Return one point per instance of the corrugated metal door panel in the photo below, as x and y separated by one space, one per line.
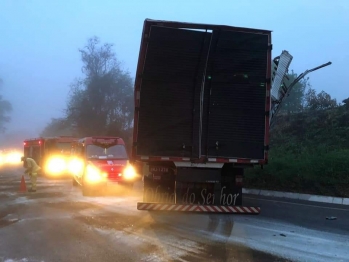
169 115
236 106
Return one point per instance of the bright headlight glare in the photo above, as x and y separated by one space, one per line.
93 174
75 166
12 158
129 172
56 165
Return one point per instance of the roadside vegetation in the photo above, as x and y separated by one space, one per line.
309 147
101 101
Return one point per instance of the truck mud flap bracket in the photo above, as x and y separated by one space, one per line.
199 208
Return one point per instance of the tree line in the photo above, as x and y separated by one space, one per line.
304 98
100 102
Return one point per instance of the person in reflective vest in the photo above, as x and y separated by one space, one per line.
32 169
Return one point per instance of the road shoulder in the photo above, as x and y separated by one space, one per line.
298 196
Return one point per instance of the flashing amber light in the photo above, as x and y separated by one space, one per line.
129 172
75 166
93 174
56 165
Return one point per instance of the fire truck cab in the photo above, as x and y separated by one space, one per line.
50 153
98 162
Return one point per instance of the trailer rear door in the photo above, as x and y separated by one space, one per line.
202 92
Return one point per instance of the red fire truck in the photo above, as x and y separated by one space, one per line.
51 153
98 162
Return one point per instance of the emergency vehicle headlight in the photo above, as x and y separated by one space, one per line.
93 174
13 158
129 172
56 165
75 166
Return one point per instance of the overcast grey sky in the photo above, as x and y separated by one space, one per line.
39 43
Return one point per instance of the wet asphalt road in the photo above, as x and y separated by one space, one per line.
58 224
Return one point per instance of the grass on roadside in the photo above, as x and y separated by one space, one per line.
309 154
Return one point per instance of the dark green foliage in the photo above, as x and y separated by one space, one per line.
309 153
101 102
346 103
57 127
319 101
309 145
303 97
295 102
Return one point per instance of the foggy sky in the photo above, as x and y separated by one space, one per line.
39 44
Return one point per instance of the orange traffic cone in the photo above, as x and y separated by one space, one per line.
23 187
